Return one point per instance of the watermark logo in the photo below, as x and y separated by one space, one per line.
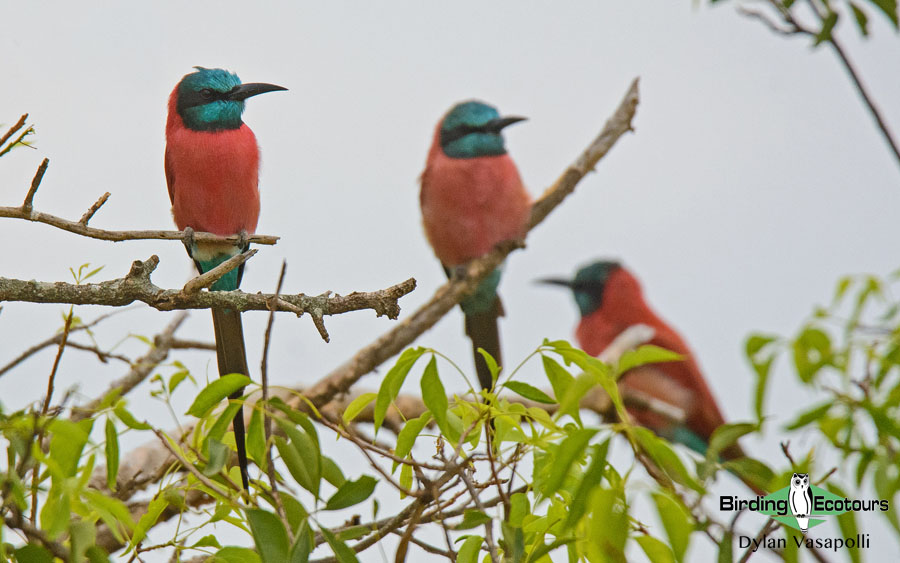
802 505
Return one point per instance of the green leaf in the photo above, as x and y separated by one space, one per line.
608 527
295 463
343 553
406 439
128 419
33 553
589 481
646 354
357 405
148 519
571 400
303 546
656 551
207 541
751 470
812 351
177 378
96 554
82 535
331 471
529 392
434 396
67 440
223 421
406 478
726 435
471 519
269 535
392 383
847 523
491 364
665 457
569 452
862 20
889 7
519 508
762 365
560 379
256 438
112 454
827 25
351 493
297 516
306 445
215 392
55 514
726 548
111 510
810 416
233 554
468 553
218 456
676 521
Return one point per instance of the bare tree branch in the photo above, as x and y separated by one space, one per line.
136 286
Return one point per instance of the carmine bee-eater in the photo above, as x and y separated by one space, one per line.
472 198
212 169
610 300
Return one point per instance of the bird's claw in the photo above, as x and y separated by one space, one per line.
459 271
187 238
243 240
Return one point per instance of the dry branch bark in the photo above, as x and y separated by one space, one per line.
136 286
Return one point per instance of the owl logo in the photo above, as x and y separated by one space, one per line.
800 498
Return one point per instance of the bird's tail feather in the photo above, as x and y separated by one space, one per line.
232 358
481 328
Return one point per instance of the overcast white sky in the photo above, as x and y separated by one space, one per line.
754 179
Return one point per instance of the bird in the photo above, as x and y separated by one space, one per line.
212 173
472 198
610 300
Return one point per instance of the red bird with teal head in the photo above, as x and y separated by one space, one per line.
610 300
472 198
212 170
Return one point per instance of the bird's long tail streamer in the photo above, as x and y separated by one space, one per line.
232 358
482 329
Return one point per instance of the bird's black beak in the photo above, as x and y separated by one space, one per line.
497 125
556 281
244 91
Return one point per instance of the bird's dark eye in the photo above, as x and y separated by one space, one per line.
206 93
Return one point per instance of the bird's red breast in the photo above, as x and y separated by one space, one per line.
213 176
678 383
471 204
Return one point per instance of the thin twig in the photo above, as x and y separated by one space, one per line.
93 209
12 130
55 340
141 369
206 279
35 184
117 236
267 420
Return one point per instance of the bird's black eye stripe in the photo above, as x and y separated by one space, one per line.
193 98
459 132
